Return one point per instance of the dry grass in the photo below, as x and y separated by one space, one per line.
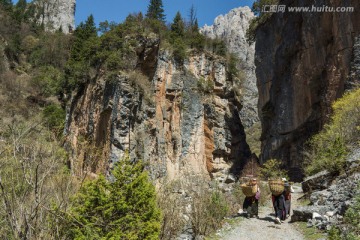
143 83
253 138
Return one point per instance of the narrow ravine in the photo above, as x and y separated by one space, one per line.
264 228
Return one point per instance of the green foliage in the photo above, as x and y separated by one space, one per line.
172 206
156 10
232 69
48 81
6 5
309 233
124 208
328 154
352 222
205 86
208 211
42 50
329 148
54 117
32 180
218 206
217 46
334 233
352 218
83 49
261 19
179 50
178 26
271 169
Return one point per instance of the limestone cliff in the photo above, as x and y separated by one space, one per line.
180 118
55 14
232 28
302 62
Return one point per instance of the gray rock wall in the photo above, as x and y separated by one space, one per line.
232 28
302 64
174 125
57 13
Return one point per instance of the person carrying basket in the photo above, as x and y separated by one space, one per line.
278 199
252 196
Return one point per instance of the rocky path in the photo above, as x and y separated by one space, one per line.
264 228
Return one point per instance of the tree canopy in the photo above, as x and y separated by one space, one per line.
156 10
124 208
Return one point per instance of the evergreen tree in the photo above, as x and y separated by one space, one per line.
178 26
6 5
20 10
82 33
156 10
124 208
192 16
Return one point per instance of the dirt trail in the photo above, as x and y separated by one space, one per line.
264 228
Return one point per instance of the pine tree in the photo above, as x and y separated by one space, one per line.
124 208
192 16
156 10
178 26
20 10
6 5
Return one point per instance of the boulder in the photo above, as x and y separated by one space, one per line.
304 213
319 181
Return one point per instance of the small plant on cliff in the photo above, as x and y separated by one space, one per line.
205 85
124 208
272 169
263 16
328 149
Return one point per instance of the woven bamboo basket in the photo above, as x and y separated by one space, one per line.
249 189
276 187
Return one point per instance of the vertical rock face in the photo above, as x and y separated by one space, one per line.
302 65
174 125
57 13
232 29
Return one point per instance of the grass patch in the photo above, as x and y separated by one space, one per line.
229 224
309 233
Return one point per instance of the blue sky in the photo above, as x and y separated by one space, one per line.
117 10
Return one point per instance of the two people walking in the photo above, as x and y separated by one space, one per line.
281 202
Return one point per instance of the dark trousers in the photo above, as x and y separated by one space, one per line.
279 206
251 206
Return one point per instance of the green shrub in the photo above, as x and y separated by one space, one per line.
272 169
329 148
123 208
172 208
205 86
208 211
179 50
232 69
48 81
352 218
54 117
352 222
